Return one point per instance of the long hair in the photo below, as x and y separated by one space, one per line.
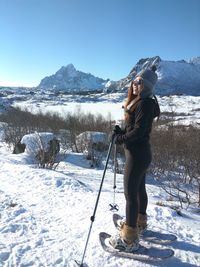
131 96
129 99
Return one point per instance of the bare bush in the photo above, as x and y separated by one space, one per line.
48 159
176 149
18 123
93 145
43 147
176 162
79 122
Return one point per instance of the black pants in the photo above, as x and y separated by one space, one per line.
136 165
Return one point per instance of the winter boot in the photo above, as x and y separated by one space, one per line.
127 240
142 223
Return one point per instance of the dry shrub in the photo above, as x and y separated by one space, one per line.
176 149
20 123
176 161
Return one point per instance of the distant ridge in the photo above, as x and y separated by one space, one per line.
174 77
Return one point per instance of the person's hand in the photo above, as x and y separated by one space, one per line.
117 133
117 130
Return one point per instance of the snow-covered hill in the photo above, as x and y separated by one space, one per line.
71 80
174 77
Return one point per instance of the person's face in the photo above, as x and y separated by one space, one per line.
138 85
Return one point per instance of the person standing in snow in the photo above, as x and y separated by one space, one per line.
140 109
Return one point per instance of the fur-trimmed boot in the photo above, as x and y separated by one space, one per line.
142 223
127 240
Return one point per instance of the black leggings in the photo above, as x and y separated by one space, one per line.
137 163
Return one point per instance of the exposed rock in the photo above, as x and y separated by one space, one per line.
19 148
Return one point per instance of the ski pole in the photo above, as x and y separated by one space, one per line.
97 201
114 206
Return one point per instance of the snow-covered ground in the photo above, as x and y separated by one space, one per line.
45 215
185 108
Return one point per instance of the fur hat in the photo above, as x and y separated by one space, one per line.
150 78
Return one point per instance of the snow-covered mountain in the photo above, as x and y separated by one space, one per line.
174 77
69 79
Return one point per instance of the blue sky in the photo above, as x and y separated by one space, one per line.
103 37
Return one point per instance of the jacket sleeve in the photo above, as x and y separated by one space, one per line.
143 118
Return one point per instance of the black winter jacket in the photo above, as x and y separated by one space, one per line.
138 126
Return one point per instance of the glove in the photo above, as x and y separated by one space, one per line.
117 130
117 133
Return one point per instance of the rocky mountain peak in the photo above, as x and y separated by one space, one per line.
67 71
174 77
195 60
144 63
68 79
